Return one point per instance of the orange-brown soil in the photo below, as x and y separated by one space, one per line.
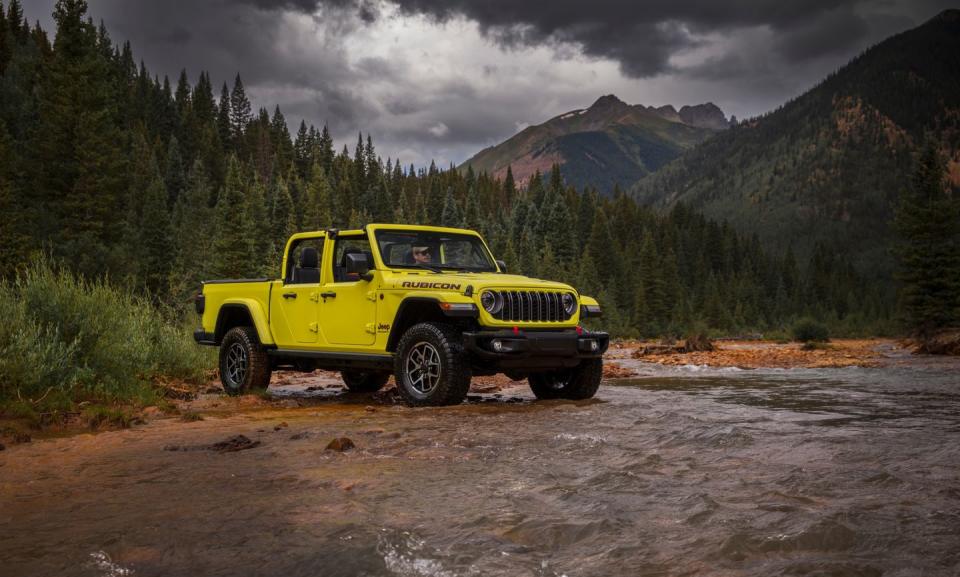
761 354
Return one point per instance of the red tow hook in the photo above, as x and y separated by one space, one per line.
579 330
516 330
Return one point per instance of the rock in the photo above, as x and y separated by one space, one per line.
485 387
152 411
370 409
299 436
340 444
233 444
282 425
616 371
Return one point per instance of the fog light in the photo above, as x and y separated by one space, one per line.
593 345
497 345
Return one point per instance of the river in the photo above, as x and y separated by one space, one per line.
682 471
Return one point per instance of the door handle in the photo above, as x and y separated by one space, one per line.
328 295
289 295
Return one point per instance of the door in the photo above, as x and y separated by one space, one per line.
348 306
296 297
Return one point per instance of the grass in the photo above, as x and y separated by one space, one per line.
68 342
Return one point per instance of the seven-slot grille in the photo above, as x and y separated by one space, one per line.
531 306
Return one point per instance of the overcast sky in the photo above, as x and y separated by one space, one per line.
441 79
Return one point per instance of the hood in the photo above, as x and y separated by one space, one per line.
458 282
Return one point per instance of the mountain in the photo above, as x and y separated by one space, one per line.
611 142
829 165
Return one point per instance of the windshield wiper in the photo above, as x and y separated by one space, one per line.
426 267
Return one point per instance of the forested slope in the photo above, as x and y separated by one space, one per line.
829 166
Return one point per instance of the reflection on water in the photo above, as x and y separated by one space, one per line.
685 471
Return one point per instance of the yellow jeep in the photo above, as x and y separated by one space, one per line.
427 304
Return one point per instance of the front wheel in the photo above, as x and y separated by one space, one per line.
364 381
430 367
580 382
244 364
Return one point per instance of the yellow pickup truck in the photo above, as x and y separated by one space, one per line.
427 304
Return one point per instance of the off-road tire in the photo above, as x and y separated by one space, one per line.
580 382
364 381
241 346
453 379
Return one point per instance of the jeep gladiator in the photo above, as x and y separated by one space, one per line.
427 304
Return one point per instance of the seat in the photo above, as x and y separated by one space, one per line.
307 270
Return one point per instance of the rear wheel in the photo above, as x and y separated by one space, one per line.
430 367
364 381
580 382
244 364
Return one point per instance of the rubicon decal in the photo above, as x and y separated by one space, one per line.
431 285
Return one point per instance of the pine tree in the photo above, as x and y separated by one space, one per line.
928 222
240 113
13 234
301 150
509 185
451 215
224 116
283 222
156 246
325 149
232 245
192 219
174 176
316 210
77 164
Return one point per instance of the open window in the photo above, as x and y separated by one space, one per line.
303 261
343 248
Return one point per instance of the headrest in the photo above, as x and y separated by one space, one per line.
308 258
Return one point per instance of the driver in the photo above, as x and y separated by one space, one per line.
421 254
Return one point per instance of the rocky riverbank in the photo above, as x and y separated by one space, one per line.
762 354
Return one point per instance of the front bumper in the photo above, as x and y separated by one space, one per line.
535 349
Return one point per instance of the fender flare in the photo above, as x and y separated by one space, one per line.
254 309
396 330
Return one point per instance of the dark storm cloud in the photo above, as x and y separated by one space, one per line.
640 36
747 55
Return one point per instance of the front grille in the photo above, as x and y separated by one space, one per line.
531 306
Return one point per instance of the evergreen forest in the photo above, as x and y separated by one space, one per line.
155 184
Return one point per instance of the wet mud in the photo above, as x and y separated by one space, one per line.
679 471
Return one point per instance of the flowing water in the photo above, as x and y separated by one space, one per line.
688 471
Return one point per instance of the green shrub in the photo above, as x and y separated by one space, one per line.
807 330
64 337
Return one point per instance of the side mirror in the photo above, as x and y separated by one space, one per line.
502 265
357 264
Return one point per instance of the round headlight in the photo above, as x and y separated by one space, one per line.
491 301
569 304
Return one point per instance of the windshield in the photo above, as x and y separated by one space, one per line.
433 250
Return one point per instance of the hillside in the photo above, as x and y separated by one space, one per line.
829 165
608 143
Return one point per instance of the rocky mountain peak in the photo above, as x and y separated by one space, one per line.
607 101
706 115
